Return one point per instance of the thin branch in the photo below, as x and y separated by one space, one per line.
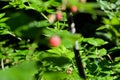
2 64
110 57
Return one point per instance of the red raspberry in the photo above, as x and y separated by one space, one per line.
74 9
59 15
55 41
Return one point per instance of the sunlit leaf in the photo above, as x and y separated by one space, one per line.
95 41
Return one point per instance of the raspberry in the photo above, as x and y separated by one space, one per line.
83 1
74 9
7 61
55 41
51 18
69 71
59 15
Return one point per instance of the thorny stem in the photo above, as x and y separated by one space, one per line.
76 47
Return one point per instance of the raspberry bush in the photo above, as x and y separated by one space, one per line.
59 39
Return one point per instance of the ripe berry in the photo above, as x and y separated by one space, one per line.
59 15
55 41
74 9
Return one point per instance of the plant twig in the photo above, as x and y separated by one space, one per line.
2 64
110 57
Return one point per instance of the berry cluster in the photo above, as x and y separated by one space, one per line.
55 41
59 16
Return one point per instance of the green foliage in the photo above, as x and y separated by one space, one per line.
16 73
95 41
111 25
27 25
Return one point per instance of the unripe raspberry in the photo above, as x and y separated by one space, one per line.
55 41
74 9
7 61
69 71
59 15
51 18
83 1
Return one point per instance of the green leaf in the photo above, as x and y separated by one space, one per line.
60 76
106 21
43 23
104 4
36 5
102 51
95 41
107 35
103 27
115 31
2 15
114 49
115 21
57 60
23 71
61 51
3 19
